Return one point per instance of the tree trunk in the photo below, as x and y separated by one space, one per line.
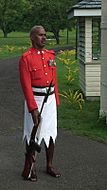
57 39
5 34
56 34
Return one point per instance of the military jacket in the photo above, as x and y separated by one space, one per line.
37 69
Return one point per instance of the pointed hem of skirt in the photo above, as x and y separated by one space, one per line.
47 140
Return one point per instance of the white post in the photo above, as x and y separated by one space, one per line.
103 98
88 39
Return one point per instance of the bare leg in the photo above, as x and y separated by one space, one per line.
49 158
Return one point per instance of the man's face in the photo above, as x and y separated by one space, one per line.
39 38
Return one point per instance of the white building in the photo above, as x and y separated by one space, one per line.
88 15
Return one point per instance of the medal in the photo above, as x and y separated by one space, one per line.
51 63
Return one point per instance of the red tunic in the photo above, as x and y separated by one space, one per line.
37 68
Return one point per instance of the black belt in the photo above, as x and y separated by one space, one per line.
42 86
42 93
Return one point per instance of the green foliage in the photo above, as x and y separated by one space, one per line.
11 14
21 15
51 14
74 97
67 58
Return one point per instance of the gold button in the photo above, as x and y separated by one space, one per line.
44 65
46 73
38 52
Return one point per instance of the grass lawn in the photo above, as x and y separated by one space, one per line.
18 42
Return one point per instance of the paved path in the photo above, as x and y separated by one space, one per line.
82 162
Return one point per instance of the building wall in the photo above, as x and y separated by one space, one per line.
81 40
82 77
93 72
103 99
90 79
90 70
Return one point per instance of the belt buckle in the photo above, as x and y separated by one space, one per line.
47 89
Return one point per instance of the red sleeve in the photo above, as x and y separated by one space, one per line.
56 83
56 90
26 84
56 95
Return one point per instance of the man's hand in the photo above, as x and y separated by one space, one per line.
35 116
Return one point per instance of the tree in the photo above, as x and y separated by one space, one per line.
51 14
11 14
26 13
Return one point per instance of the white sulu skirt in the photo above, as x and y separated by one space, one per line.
48 125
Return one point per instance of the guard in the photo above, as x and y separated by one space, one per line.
37 69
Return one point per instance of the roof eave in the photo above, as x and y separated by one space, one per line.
84 12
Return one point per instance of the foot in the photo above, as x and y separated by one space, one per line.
51 171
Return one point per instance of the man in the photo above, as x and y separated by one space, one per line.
37 70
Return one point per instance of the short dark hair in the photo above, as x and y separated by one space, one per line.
34 29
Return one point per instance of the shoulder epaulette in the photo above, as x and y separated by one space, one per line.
50 51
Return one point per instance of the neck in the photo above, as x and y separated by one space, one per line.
38 48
